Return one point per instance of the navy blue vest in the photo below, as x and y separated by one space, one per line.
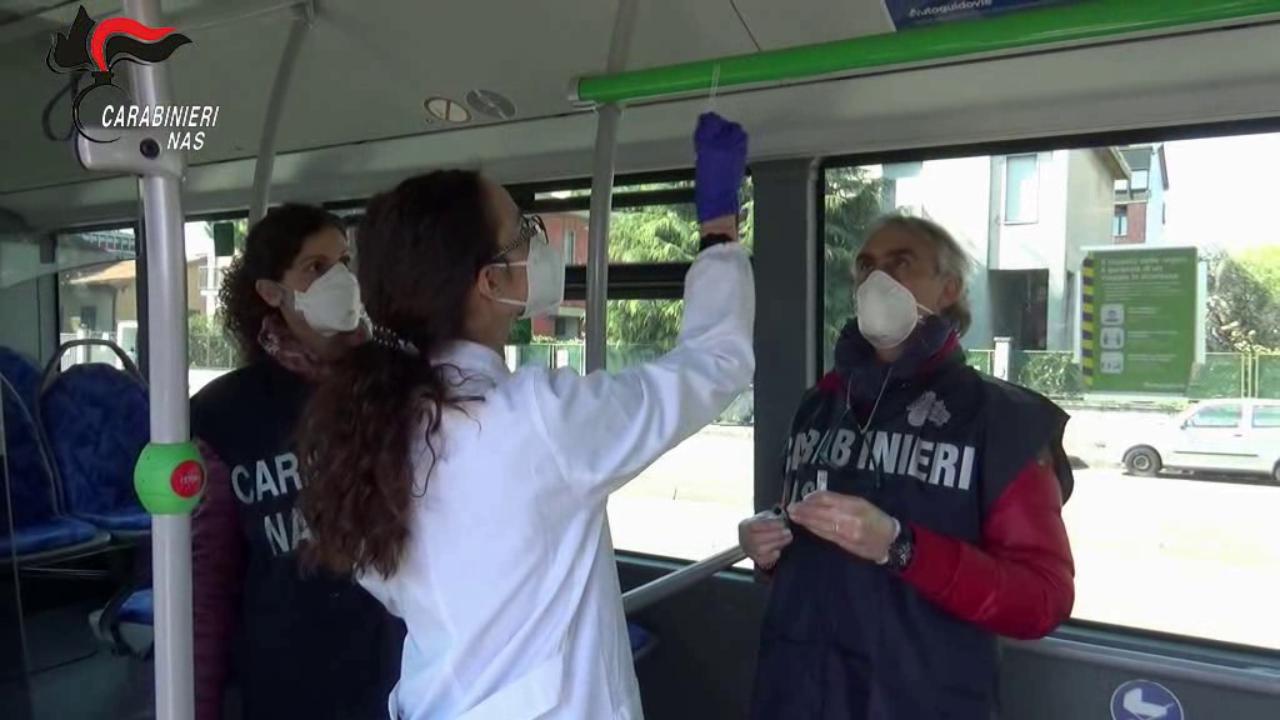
310 645
845 639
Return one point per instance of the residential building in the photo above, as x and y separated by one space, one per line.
1025 220
1140 211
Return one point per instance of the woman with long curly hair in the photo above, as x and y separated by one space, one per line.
470 499
296 644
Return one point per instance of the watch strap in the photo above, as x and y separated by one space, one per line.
902 549
712 239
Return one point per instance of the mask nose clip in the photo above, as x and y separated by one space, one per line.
887 311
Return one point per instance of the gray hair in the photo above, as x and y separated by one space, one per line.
953 261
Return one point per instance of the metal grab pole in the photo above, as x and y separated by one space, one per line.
166 296
607 120
275 109
598 236
633 601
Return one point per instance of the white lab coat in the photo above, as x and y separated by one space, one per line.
508 586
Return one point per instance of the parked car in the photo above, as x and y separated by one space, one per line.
1222 436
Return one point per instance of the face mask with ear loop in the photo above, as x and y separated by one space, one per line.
544 269
332 303
887 311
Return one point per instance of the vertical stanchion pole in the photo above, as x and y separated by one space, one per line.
275 110
167 369
598 230
607 119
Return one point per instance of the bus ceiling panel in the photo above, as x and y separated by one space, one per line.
22 20
775 25
368 71
1192 79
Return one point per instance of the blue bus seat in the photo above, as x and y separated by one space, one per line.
126 624
39 531
642 641
95 418
139 608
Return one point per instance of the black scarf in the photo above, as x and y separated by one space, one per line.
858 365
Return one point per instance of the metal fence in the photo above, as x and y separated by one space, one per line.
211 351
980 360
1222 375
1266 374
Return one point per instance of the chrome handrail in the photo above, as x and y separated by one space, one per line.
664 587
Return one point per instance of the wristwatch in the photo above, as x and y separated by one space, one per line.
713 239
901 549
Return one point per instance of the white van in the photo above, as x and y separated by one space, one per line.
1226 436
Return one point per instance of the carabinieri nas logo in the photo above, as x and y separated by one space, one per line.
96 47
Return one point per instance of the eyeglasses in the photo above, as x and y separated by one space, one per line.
531 228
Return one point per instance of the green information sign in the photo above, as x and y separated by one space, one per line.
1139 320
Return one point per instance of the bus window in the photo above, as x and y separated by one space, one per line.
98 288
706 481
210 351
688 503
1126 325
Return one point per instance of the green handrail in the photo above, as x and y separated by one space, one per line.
1088 20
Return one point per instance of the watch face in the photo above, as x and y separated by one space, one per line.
900 553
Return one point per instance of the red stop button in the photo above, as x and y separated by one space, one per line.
187 479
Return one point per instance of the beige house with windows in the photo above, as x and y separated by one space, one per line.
99 299
1025 220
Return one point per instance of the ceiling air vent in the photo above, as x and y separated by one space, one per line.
491 104
446 110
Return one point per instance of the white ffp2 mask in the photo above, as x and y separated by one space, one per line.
545 271
887 311
332 304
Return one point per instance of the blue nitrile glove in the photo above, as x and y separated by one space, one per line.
722 164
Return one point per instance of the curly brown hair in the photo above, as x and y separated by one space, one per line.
421 247
273 243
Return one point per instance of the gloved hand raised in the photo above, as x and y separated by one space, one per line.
721 146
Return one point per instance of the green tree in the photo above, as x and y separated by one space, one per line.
521 333
852 202
658 234
1244 301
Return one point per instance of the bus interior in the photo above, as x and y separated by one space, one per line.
1050 140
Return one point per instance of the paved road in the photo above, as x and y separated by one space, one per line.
1188 556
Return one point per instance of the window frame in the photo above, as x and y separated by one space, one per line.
1146 183
1006 187
570 245
1120 221
641 281
54 324
1253 416
1209 650
1209 409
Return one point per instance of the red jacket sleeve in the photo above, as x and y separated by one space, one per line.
1021 581
217 569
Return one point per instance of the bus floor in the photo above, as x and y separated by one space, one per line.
72 676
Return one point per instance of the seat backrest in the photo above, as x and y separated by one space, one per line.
96 422
31 482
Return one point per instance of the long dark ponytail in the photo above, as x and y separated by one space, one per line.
419 250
